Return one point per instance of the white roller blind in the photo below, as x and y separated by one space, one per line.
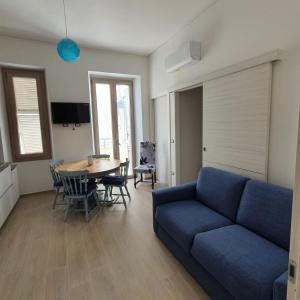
236 115
28 116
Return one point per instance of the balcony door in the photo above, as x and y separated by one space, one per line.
113 119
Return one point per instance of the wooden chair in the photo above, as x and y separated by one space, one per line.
98 181
57 183
117 181
78 190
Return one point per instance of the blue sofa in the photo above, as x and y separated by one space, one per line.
231 233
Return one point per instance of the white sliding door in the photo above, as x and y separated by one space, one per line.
162 138
174 139
236 121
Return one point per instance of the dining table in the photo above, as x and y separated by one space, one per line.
99 168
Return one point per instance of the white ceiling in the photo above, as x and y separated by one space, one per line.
138 26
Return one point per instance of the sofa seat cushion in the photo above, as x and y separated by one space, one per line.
183 219
246 264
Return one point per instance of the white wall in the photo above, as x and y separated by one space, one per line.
232 31
68 82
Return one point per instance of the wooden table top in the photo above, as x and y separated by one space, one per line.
100 167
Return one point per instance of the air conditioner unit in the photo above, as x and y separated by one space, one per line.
187 53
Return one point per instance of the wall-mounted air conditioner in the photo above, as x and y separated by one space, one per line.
187 53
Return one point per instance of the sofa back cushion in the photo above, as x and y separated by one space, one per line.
220 190
267 209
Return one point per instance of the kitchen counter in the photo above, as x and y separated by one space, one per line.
4 166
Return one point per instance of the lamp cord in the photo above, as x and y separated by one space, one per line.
66 27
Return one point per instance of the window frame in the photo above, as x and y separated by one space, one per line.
39 75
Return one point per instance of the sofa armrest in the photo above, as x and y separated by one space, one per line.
177 193
280 287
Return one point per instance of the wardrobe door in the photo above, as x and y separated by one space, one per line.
162 138
236 121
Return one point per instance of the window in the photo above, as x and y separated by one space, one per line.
27 111
113 116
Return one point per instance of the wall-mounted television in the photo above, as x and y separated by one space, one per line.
70 113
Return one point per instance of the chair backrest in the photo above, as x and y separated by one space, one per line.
123 171
147 153
55 176
107 156
75 183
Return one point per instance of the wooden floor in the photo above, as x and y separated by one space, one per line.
114 256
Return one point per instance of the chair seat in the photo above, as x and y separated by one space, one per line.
182 220
58 184
244 263
113 180
150 168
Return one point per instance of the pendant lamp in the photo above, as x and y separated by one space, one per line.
67 49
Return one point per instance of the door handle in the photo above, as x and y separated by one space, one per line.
204 149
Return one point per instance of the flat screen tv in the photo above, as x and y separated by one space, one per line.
67 113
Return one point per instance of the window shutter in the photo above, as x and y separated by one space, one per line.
28 116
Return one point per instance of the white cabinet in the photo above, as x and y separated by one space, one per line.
9 191
2 209
5 180
15 187
5 207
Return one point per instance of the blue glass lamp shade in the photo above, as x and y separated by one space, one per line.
68 50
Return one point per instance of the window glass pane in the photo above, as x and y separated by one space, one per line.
28 115
124 123
104 118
